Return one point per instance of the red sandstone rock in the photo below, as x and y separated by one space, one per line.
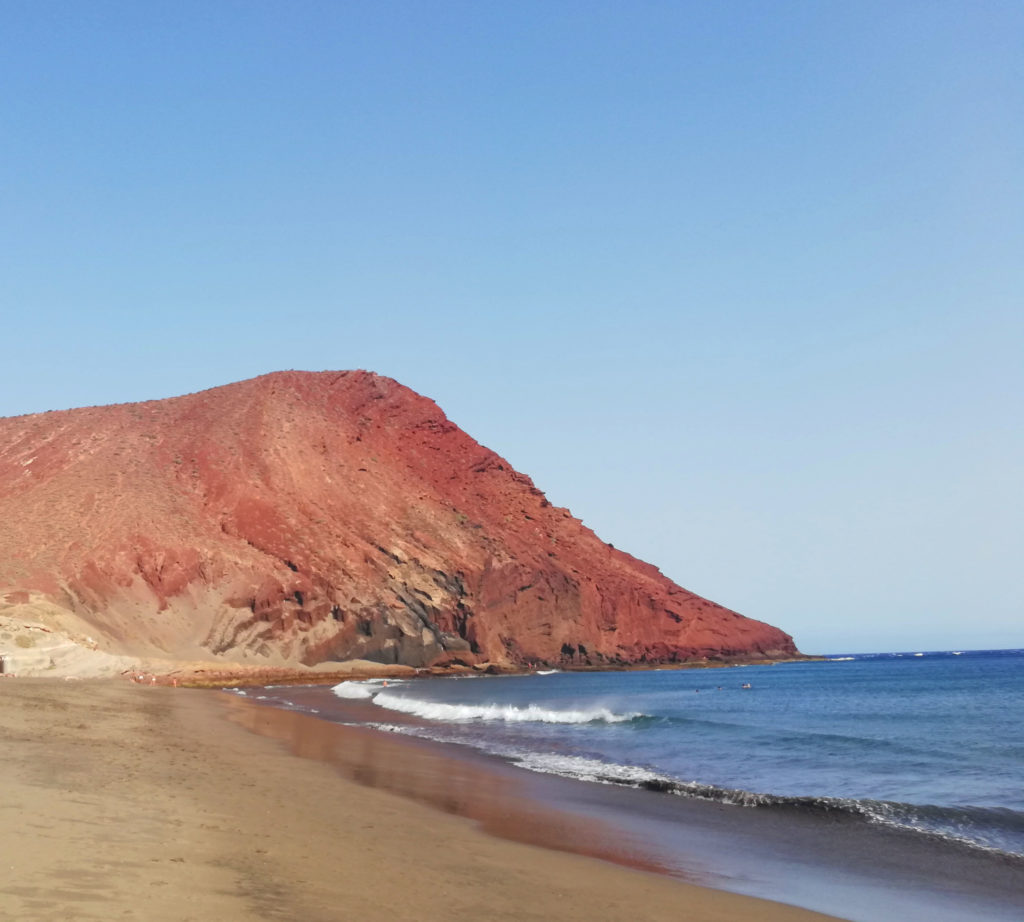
304 518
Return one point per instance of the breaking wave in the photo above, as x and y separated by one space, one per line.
993 830
363 688
354 690
986 828
532 713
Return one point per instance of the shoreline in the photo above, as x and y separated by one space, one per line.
157 803
803 857
245 676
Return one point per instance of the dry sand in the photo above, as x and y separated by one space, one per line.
121 802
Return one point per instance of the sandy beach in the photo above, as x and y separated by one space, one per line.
128 802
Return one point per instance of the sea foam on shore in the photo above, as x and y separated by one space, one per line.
849 744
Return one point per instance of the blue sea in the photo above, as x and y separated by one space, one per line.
927 745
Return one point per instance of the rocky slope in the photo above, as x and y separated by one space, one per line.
303 518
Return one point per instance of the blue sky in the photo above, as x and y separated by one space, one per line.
739 283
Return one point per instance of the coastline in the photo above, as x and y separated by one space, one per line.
132 802
816 860
232 675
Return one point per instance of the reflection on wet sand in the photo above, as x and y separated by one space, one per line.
488 794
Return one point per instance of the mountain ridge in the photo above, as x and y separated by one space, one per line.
301 518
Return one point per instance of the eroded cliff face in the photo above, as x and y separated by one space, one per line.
310 517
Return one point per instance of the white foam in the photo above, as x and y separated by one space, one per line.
436 710
548 671
354 690
585 769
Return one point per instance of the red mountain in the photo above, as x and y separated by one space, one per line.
305 518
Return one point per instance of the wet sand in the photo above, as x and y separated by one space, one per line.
875 873
127 802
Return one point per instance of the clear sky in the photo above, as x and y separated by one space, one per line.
740 283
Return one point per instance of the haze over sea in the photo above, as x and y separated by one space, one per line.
915 759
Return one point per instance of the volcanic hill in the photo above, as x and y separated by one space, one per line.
303 518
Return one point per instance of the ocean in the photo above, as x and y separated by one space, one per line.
913 761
